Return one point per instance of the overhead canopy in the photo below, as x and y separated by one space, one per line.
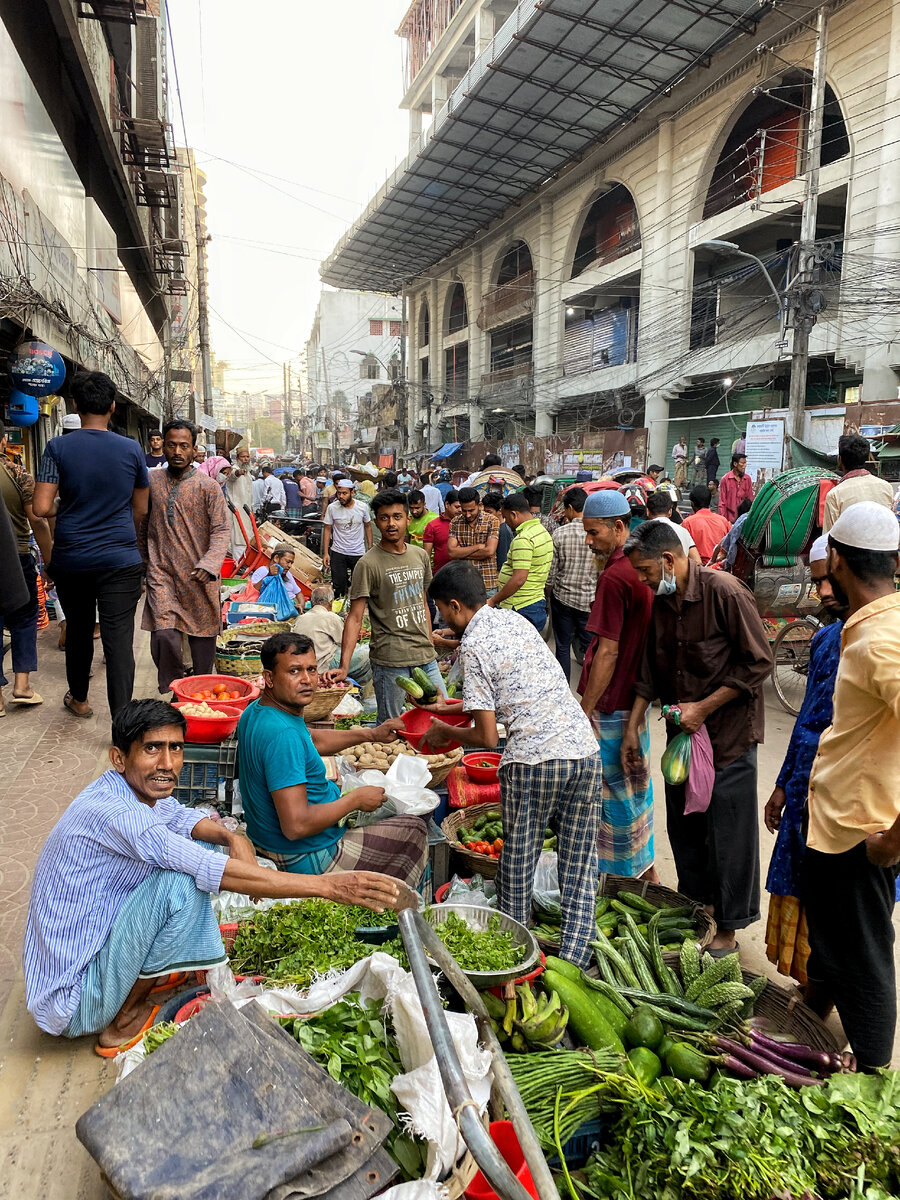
555 79
448 449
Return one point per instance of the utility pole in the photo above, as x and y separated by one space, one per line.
806 301
203 315
286 414
328 407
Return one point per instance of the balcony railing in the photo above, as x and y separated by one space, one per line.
508 302
506 374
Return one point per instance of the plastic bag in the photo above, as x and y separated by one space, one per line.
702 774
272 591
405 792
477 890
348 707
676 760
417 1189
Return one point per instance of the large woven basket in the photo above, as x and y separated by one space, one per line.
784 1012
236 655
438 773
611 885
481 864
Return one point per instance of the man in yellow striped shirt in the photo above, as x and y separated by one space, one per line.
524 575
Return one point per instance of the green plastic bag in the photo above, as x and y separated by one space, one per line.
676 760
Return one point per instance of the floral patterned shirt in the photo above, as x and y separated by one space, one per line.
509 670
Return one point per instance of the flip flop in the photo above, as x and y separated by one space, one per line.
67 705
113 1051
174 980
724 951
34 698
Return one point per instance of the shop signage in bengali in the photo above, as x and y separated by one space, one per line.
36 369
206 422
322 439
765 447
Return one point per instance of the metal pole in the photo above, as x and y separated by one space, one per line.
476 1137
203 315
804 321
328 405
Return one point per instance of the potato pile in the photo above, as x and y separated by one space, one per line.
378 756
202 710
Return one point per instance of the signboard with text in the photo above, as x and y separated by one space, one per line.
765 447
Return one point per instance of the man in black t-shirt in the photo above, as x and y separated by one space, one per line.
155 457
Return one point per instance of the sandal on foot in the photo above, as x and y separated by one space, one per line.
67 704
34 698
113 1051
724 951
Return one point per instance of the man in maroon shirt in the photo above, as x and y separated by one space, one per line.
436 532
619 619
734 487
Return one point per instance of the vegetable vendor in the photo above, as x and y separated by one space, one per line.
280 564
120 897
787 935
295 815
550 769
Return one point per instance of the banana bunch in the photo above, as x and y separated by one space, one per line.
527 1021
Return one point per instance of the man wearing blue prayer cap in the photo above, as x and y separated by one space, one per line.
619 619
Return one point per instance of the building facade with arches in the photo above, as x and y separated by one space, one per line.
603 296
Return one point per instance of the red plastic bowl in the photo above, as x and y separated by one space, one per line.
416 721
185 690
480 774
211 729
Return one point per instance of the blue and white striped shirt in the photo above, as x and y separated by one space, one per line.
105 845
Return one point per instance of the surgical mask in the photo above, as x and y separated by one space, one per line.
666 586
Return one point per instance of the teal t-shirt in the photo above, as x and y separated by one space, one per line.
275 751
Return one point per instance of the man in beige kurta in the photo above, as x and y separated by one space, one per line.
239 490
184 539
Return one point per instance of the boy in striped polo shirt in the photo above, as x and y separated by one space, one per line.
527 567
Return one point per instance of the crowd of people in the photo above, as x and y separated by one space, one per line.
642 599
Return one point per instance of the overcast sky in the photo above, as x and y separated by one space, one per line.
292 108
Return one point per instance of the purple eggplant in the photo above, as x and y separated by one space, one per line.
819 1060
792 1075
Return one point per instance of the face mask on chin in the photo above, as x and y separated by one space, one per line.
666 585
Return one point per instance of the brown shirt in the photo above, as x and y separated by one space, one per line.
17 490
714 640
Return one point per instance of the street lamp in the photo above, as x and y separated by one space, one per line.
721 247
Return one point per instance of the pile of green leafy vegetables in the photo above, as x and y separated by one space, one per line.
491 949
352 1041
748 1140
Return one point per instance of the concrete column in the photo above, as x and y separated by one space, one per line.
484 29
440 90
435 357
656 418
413 372
879 381
546 325
477 344
656 297
415 127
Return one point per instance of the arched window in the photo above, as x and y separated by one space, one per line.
610 230
765 146
516 262
457 309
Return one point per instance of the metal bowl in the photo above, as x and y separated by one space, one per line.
477 917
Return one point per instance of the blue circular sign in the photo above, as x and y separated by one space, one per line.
37 369
23 410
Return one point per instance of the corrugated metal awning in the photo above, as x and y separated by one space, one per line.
559 75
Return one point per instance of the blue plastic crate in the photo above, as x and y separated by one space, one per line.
582 1144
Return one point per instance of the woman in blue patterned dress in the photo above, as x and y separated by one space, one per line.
787 943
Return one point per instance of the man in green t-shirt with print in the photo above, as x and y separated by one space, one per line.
391 579
524 575
419 517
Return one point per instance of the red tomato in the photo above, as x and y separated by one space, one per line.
235 696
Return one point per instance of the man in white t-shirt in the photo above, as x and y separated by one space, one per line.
346 535
273 489
659 508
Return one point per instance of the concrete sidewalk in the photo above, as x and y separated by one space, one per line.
46 757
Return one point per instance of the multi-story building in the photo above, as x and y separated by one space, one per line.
355 343
87 186
557 229
188 215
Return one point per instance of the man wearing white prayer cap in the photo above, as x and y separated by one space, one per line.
853 842
787 943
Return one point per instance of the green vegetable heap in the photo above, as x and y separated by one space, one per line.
352 1042
488 949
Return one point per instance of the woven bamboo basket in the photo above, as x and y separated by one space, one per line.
481 864
438 773
784 1012
245 662
611 885
324 702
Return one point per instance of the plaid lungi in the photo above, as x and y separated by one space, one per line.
626 822
396 846
564 793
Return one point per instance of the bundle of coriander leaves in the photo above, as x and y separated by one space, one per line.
352 1041
749 1140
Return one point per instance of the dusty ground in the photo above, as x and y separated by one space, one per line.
46 758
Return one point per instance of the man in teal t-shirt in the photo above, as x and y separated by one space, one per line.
295 815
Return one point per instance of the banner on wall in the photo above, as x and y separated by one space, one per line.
765 447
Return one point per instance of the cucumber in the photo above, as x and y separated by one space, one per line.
422 678
586 1022
409 686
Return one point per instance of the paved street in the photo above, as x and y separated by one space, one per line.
47 757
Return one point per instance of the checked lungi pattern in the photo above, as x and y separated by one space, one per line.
566 794
396 846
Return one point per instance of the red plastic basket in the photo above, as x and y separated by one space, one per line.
185 690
